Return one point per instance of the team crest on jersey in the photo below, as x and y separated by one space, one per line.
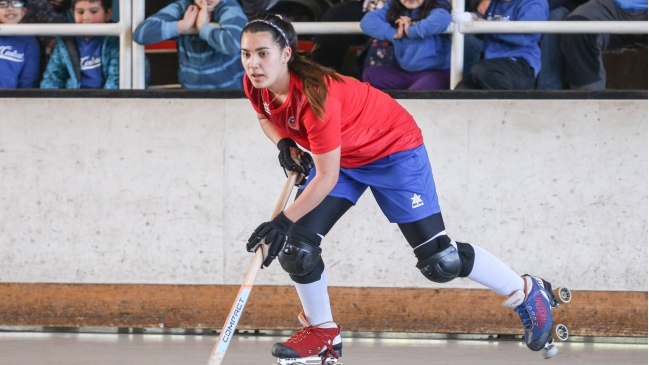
292 123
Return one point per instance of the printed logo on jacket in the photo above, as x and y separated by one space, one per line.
89 62
10 54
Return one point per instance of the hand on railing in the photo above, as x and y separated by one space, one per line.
462 16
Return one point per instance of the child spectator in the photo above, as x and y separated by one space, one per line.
415 29
511 61
85 62
19 55
207 60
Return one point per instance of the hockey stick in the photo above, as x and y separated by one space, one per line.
216 358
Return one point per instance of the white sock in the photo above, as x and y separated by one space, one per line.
494 274
315 301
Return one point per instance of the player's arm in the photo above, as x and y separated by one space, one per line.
326 177
269 129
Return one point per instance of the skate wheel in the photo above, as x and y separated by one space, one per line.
562 332
562 295
550 351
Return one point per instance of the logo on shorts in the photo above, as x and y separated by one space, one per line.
416 201
292 124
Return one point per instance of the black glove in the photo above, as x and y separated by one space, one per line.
276 234
288 163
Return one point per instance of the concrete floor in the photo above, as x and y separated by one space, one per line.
59 348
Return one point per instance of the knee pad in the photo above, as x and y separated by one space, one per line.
301 253
441 262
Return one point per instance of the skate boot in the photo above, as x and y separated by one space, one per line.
317 345
534 307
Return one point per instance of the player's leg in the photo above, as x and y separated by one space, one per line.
407 196
441 260
320 337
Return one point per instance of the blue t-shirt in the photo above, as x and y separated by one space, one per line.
19 62
90 62
505 45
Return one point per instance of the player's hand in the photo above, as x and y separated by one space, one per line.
291 158
275 234
188 20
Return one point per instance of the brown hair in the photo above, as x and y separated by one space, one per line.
315 77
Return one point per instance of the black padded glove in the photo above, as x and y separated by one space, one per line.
288 163
276 234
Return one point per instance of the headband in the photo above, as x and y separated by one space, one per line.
274 26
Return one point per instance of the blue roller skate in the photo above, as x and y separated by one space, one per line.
534 307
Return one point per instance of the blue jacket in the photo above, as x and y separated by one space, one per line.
425 48
64 69
208 60
524 46
19 62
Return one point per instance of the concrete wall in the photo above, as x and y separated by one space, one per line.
168 191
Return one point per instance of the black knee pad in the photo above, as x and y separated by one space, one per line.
441 262
301 254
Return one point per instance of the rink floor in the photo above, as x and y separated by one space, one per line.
62 348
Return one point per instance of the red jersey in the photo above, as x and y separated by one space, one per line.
367 123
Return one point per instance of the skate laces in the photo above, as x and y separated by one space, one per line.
525 317
321 335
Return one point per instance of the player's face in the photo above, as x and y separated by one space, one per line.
264 60
88 12
412 4
13 12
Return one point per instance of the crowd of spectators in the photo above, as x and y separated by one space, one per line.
403 46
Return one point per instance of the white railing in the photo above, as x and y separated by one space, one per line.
132 58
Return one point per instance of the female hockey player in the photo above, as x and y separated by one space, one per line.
359 137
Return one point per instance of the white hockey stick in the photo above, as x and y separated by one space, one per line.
216 358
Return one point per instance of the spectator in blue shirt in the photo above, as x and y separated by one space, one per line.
423 52
583 52
19 55
207 35
511 61
85 62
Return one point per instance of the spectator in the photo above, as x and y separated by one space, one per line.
583 52
209 59
19 55
415 29
85 62
510 61
553 66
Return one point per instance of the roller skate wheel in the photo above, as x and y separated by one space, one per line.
563 295
561 332
550 351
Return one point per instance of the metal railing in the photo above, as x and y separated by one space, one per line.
132 57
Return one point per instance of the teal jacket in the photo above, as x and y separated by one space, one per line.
64 70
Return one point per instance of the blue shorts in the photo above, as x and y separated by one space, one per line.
402 184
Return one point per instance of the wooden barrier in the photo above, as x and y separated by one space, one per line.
472 311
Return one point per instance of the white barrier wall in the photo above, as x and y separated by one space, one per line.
168 191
